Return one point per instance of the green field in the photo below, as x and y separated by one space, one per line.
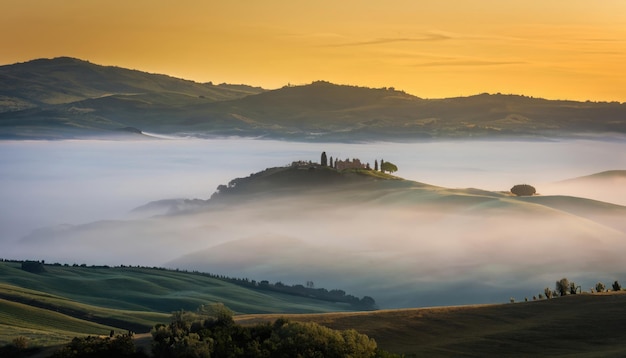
66 301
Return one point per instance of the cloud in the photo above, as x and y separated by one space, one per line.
431 37
468 63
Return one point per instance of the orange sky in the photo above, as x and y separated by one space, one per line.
567 49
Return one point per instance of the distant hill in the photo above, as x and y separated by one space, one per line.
70 98
609 175
607 186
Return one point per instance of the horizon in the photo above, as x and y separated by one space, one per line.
312 82
567 51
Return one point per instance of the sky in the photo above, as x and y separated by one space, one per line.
558 49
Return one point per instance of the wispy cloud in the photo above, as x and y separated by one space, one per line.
431 37
465 63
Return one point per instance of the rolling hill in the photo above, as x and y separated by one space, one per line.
70 98
405 243
574 326
64 301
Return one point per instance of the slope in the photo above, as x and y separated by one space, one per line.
582 326
65 80
48 98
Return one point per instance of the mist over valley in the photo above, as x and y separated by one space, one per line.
450 227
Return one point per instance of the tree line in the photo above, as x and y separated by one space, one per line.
211 331
385 167
565 287
365 303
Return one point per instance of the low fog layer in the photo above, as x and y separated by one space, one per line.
404 246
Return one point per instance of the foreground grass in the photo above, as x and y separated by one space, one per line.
581 326
43 327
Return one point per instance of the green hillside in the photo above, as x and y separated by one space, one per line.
64 301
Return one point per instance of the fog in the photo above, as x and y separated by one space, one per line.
69 201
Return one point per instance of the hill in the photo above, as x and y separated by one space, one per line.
64 301
606 186
70 98
581 326
405 243
67 97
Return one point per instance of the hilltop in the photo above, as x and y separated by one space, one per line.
70 98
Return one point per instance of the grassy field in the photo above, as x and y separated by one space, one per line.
53 310
67 301
582 326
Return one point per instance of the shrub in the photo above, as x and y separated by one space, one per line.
600 287
20 342
523 190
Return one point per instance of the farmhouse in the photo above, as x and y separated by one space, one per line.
349 164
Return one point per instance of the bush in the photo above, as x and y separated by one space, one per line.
600 287
523 190
121 346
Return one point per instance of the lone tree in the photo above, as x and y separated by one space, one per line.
324 161
562 286
388 167
523 190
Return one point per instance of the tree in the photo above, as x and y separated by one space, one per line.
548 292
376 165
573 289
523 190
33 266
324 161
217 311
562 286
388 167
617 286
382 162
330 162
600 287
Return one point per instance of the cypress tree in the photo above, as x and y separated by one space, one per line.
324 161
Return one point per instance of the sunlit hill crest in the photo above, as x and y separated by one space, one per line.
70 98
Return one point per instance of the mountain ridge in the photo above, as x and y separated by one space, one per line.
71 98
